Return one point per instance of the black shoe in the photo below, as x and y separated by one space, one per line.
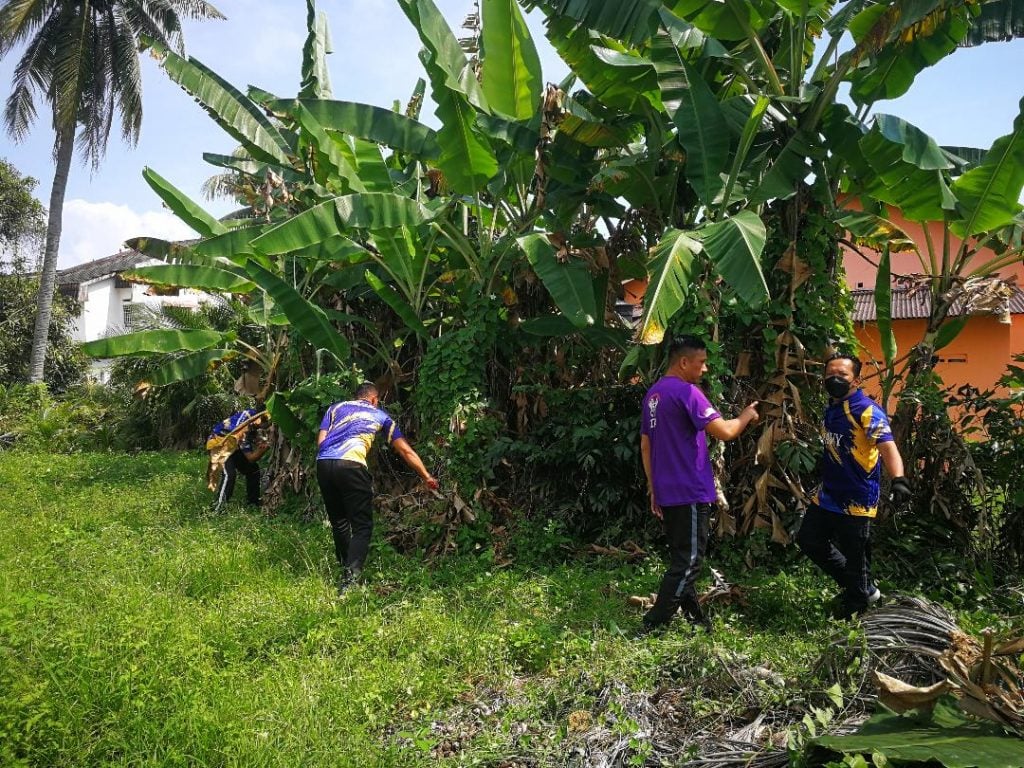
695 615
646 629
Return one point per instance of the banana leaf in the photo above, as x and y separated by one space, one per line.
308 320
191 276
285 419
401 307
369 210
189 366
989 194
569 283
228 106
373 169
697 115
511 76
876 232
632 21
442 48
375 124
467 159
316 79
630 84
998 21
892 69
725 20
734 245
165 250
883 307
233 247
335 166
154 342
907 740
908 170
182 206
670 267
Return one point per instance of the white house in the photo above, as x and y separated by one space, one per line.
110 305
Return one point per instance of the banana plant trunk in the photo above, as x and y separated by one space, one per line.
48 276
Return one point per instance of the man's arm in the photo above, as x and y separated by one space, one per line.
645 453
320 437
410 457
256 453
891 459
730 429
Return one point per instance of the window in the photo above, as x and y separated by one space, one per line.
953 357
126 314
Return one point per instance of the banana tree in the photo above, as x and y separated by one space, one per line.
975 209
731 124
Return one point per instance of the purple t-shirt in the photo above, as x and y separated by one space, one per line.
674 417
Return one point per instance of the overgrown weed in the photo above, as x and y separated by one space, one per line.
137 627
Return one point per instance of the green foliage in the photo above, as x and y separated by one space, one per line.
22 217
65 364
580 463
946 738
450 398
132 621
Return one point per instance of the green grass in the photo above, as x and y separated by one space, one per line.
137 628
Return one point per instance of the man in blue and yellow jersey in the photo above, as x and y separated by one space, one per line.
346 436
836 530
243 428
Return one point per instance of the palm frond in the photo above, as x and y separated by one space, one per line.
20 19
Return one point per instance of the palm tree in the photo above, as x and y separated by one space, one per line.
81 58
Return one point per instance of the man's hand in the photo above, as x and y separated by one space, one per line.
655 508
750 413
900 491
432 483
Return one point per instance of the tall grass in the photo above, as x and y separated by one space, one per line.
138 628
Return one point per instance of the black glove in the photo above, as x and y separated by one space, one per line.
900 492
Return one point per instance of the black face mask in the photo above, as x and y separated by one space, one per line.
837 386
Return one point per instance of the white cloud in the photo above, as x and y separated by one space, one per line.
94 230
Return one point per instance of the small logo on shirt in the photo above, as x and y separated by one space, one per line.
652 410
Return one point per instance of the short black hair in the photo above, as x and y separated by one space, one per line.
843 356
366 389
685 345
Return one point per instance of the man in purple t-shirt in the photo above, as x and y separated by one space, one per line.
680 481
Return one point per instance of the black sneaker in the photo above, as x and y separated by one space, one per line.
646 629
695 615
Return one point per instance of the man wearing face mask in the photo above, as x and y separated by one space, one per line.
836 530
681 484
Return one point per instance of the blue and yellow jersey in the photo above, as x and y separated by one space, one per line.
850 478
351 427
230 424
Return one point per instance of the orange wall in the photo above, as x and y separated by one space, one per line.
985 345
860 273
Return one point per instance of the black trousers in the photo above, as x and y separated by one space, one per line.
237 463
347 488
687 530
841 546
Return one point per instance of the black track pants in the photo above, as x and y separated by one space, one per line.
841 546
347 489
687 530
238 464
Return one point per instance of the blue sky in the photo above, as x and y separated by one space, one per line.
968 99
